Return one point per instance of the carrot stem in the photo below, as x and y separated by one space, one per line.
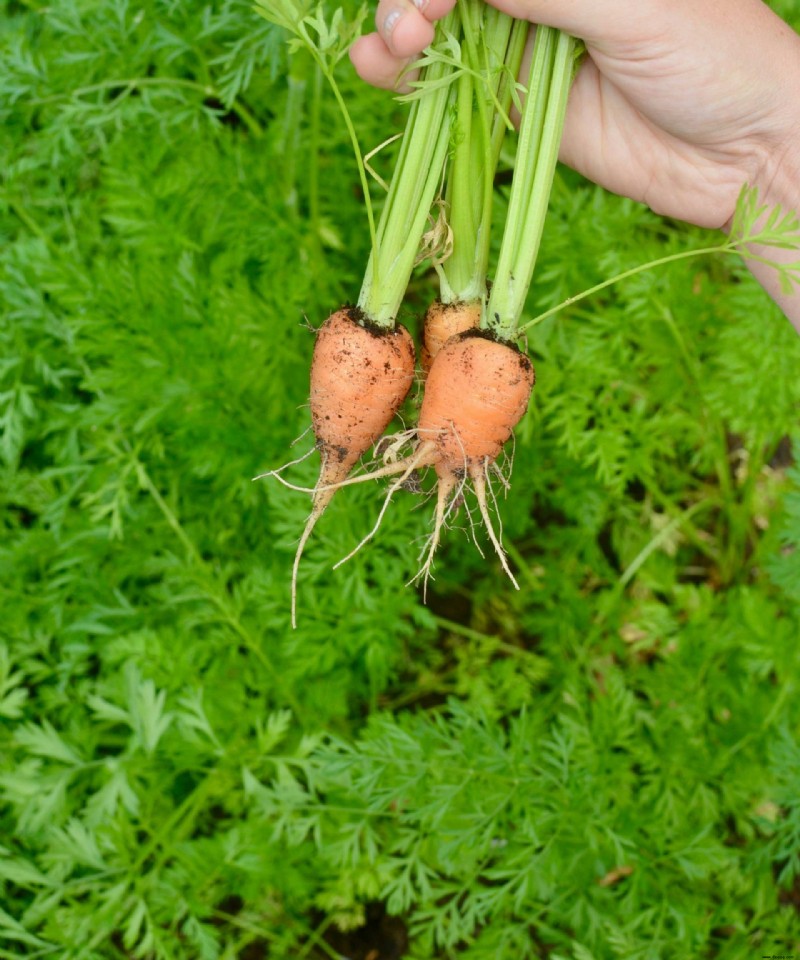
417 176
457 279
494 46
549 82
515 50
729 246
359 156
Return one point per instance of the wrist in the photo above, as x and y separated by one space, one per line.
778 178
778 173
768 150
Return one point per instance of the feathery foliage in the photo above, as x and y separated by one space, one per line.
603 765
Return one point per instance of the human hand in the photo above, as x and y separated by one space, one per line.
678 104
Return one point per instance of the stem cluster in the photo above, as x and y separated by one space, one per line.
461 108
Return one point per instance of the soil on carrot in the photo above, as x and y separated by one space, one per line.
357 315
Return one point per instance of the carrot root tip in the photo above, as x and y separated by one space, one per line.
444 508
321 504
479 485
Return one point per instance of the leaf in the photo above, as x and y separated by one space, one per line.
75 843
109 711
12 696
103 805
22 872
192 715
273 732
43 740
328 39
285 13
14 931
148 717
133 926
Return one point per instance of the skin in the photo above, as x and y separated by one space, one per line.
678 104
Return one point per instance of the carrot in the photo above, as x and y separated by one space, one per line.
354 361
477 391
445 320
360 375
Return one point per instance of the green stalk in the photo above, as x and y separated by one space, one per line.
295 105
417 176
537 153
351 132
314 150
515 47
494 46
456 275
727 246
515 50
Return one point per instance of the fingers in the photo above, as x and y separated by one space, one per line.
406 26
404 29
376 64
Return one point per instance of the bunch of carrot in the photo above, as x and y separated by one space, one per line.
477 381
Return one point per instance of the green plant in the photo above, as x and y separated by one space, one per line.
601 765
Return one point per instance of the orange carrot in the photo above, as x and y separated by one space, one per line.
360 375
477 391
445 320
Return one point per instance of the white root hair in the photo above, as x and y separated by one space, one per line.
479 485
420 458
291 463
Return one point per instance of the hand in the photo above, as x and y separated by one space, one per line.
678 104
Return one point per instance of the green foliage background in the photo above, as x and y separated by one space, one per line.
603 765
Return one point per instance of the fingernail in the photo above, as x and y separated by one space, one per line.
420 4
391 21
